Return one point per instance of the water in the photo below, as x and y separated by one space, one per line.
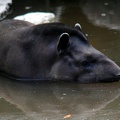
59 101
53 101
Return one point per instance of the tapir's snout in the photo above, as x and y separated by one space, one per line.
100 69
101 75
109 71
117 76
112 70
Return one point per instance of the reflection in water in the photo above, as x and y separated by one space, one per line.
103 13
36 101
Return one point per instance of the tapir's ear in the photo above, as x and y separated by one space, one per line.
78 26
63 43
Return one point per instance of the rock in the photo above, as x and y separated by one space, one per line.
5 6
37 17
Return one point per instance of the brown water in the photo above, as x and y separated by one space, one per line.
53 101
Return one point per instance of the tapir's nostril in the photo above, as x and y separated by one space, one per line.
118 75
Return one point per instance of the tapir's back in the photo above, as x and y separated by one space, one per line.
23 48
13 24
9 29
28 50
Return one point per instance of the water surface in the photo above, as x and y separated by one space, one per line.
53 101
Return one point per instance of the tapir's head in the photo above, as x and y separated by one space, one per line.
78 61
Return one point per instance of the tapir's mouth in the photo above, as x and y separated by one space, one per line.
98 79
108 80
115 79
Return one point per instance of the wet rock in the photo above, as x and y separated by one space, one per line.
37 17
5 8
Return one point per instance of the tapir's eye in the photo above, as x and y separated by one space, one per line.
88 63
85 63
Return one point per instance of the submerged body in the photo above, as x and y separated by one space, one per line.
51 52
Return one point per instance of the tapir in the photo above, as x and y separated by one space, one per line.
52 52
